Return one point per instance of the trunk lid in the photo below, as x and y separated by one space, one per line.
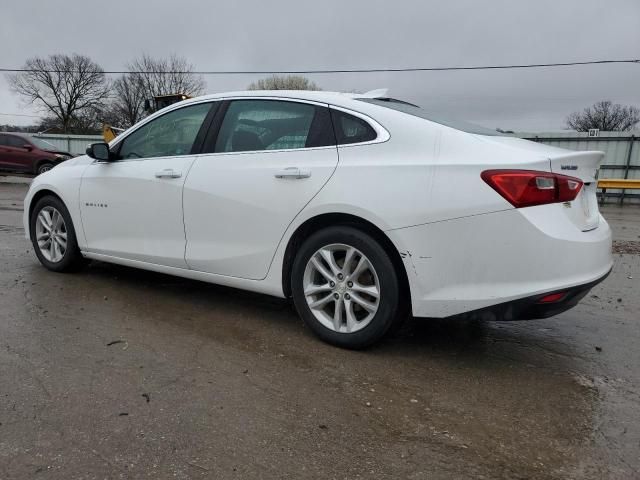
583 211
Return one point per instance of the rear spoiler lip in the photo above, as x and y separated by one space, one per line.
582 164
581 153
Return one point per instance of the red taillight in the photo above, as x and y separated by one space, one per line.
552 297
526 188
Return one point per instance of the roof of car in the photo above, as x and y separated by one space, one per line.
318 96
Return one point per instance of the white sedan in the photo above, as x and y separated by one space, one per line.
361 208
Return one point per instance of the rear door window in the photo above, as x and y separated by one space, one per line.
258 125
351 129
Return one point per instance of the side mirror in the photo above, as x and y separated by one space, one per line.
27 147
99 151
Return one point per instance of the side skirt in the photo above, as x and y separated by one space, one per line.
258 286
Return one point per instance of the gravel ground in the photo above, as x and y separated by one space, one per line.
118 373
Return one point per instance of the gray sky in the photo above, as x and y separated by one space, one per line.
289 35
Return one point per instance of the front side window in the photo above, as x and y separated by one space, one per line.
17 142
351 129
169 135
255 125
4 140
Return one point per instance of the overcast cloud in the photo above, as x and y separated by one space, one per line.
290 35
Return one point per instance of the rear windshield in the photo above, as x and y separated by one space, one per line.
416 111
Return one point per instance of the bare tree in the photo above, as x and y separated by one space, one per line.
164 76
62 86
606 116
127 107
149 78
286 82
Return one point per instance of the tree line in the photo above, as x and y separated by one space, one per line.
76 96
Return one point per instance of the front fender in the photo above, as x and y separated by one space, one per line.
64 182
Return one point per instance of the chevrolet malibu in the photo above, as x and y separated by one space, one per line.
361 208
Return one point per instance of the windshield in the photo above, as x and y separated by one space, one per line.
416 111
42 144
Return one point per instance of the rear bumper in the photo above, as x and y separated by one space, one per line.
531 308
503 260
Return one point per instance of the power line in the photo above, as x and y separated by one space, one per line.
19 115
354 70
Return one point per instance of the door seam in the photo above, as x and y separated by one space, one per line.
184 223
84 233
275 252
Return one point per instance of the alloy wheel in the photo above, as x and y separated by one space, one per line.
51 234
342 288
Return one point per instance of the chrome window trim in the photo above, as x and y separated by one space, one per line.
382 134
282 150
127 160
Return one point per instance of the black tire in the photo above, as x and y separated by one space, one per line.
72 259
44 167
389 310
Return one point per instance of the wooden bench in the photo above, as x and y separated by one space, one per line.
624 184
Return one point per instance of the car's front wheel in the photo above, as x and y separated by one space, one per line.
44 167
345 287
53 236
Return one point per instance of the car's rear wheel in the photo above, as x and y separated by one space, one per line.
345 287
53 236
44 167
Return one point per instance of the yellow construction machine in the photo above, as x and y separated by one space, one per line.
161 101
109 132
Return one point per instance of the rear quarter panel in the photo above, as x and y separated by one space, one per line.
424 173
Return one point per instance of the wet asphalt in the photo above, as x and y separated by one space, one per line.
118 373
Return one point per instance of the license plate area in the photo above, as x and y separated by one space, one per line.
586 204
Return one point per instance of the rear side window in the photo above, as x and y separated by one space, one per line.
256 125
351 129
3 140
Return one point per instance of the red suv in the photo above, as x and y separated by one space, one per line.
22 153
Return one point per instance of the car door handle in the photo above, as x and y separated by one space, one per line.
293 172
168 173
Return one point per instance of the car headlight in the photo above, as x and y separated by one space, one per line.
60 156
